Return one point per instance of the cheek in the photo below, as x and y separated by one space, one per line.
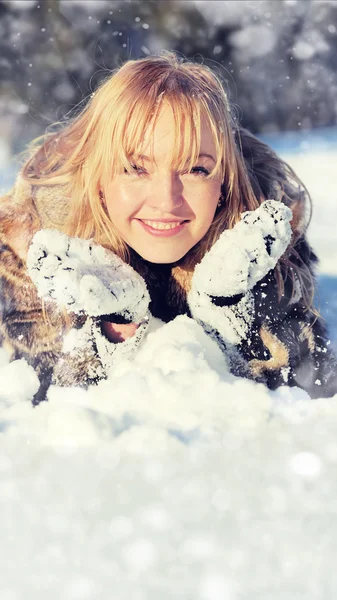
121 202
207 205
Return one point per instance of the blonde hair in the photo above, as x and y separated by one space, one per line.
97 143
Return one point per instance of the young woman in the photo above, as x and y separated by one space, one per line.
152 203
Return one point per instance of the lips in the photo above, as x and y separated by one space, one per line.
162 228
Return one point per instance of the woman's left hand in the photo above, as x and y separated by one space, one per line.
220 295
242 256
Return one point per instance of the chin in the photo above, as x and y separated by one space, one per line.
161 258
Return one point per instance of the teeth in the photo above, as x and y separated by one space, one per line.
161 225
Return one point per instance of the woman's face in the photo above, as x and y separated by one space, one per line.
161 213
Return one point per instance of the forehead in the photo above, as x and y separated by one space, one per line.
168 132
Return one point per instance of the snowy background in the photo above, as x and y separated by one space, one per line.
174 479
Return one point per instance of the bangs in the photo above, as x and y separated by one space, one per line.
191 114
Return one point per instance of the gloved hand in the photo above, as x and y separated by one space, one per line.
88 280
85 277
220 295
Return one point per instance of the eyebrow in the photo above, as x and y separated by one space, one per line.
201 155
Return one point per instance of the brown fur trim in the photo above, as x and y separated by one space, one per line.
301 216
19 219
307 335
279 354
11 266
52 205
26 209
181 281
25 327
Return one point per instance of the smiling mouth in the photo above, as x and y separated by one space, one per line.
163 228
163 224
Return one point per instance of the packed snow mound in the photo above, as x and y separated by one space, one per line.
178 384
172 478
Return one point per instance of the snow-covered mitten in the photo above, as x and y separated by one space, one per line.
89 280
85 278
221 296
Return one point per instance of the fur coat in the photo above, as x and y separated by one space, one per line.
287 345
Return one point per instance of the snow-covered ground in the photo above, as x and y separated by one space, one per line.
173 479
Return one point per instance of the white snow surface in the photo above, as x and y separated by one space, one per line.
173 478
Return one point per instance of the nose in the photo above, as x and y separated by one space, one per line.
166 193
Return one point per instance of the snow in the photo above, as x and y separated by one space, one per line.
185 483
303 50
78 273
173 478
12 377
227 12
86 4
253 41
21 4
235 263
317 170
242 251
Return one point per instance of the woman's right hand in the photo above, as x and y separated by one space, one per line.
118 332
85 277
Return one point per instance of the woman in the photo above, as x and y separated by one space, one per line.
149 204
